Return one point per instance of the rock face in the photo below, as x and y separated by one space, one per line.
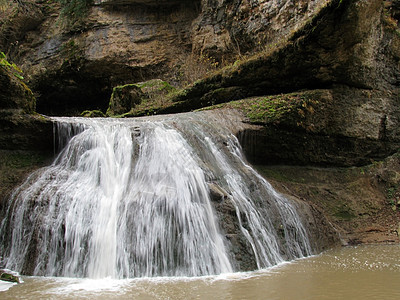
350 49
74 64
241 26
14 93
21 128
26 138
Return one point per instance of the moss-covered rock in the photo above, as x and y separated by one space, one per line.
124 98
293 109
9 276
15 94
139 98
338 126
26 138
93 114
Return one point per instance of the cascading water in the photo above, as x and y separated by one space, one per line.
131 198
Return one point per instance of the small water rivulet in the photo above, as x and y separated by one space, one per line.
140 197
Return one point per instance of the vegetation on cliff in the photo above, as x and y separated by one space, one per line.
15 93
143 98
74 9
276 109
16 71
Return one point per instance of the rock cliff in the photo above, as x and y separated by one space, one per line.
349 49
26 138
73 63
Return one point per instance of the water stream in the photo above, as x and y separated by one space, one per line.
356 273
132 198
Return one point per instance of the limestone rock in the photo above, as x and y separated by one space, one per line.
126 98
349 48
226 28
74 67
217 193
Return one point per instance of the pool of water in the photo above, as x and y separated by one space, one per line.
363 272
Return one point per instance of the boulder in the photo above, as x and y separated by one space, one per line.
10 276
138 96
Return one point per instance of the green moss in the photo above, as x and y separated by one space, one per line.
20 159
274 109
156 84
155 95
119 88
271 173
13 68
9 277
18 87
92 114
344 215
73 10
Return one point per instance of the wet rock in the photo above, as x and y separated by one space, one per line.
10 276
217 193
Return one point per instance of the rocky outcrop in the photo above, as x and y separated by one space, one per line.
360 203
21 128
340 127
73 64
26 138
350 49
140 96
234 28
15 94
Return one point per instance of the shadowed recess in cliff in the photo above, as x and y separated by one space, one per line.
117 43
132 198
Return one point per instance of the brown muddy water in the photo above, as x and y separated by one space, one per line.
363 272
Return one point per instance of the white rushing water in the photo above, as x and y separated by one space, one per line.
131 198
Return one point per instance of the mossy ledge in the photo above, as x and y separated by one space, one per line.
143 98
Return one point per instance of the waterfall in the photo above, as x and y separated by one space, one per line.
131 198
